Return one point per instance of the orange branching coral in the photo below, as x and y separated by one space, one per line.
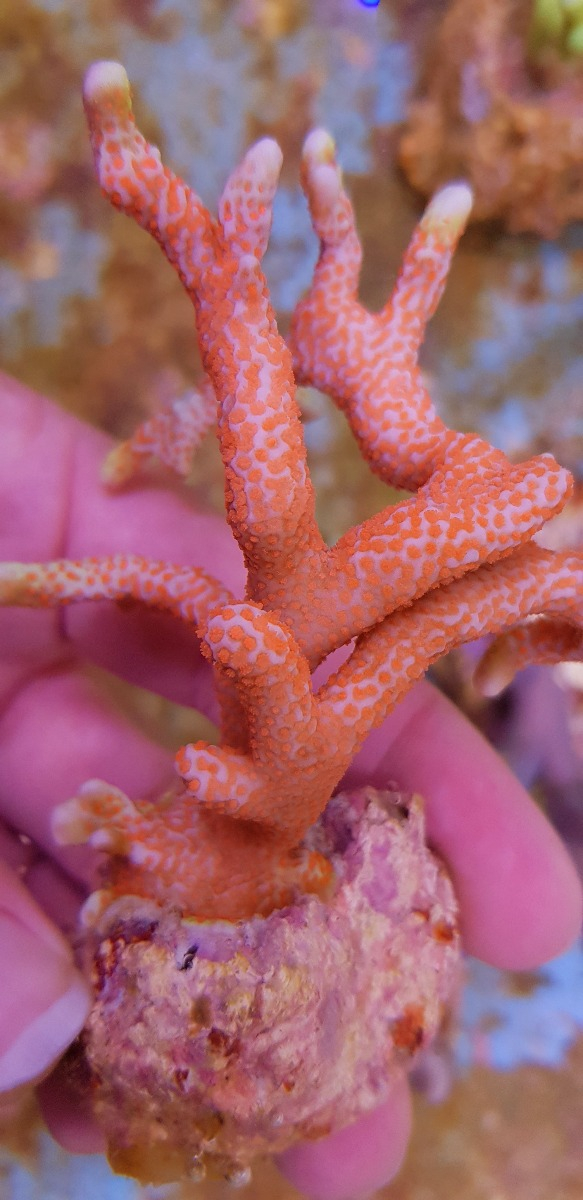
169 436
453 561
267 956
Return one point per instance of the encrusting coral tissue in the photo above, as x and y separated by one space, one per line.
267 953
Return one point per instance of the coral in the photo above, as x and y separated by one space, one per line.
242 848
499 104
558 24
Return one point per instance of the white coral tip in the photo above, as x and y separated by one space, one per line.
12 576
267 157
118 466
451 205
94 907
319 148
102 78
69 825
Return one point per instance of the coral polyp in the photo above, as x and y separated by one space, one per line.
268 953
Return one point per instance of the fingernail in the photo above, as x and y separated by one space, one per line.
44 1003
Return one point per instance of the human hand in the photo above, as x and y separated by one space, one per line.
519 895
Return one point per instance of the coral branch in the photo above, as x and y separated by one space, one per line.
476 509
289 759
543 640
187 592
392 656
367 362
172 435
131 173
269 497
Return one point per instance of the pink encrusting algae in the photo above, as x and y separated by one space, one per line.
312 902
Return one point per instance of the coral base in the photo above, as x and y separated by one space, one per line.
211 1043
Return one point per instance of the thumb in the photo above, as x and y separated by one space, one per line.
355 1161
44 1001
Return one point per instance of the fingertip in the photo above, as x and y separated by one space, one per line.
44 1001
65 1103
355 1161
534 912
520 896
519 893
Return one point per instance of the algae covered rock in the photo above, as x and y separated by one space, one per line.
212 1042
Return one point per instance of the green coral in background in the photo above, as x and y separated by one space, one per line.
559 24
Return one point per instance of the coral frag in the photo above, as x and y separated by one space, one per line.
245 917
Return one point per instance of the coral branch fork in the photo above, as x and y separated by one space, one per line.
447 564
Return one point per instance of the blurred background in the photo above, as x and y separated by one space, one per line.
91 314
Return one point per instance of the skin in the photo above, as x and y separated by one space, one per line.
519 894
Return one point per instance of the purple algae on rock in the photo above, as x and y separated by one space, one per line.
211 1043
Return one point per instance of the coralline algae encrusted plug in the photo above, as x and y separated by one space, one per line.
244 913
240 1037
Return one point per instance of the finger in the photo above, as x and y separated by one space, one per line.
59 732
56 506
54 892
65 1103
357 1160
43 1001
520 897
